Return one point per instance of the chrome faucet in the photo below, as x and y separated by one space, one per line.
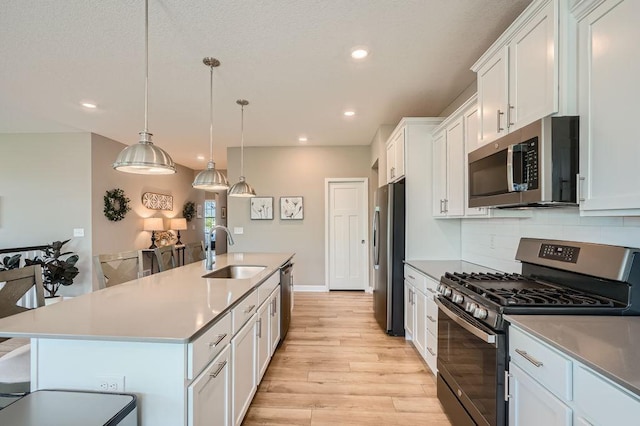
207 238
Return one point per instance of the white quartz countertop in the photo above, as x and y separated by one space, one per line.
171 306
607 344
437 268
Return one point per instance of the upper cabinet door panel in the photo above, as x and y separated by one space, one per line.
454 205
533 70
492 97
609 66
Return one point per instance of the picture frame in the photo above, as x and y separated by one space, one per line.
199 211
291 208
261 208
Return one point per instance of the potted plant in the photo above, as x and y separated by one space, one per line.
56 270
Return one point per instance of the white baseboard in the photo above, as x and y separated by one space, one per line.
310 288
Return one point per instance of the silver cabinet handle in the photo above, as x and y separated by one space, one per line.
509 123
431 351
430 290
219 339
411 276
430 318
446 205
249 309
529 358
259 327
219 369
441 206
579 182
499 113
410 297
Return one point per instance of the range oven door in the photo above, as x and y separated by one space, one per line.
471 368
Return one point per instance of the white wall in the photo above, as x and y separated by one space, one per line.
493 242
46 193
287 171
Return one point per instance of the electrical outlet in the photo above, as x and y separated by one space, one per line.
110 383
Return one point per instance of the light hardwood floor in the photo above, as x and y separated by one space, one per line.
336 367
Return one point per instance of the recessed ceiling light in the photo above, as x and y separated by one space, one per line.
302 139
200 157
89 105
349 113
359 53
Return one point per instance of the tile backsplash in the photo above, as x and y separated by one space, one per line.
493 242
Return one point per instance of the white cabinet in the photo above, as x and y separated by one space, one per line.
409 311
274 320
448 170
395 155
210 393
526 74
471 142
421 315
420 321
263 340
530 404
548 387
608 70
243 359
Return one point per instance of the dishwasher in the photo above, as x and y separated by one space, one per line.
286 298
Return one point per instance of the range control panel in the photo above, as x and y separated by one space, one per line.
558 252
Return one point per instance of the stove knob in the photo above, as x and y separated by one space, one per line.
457 298
480 313
439 288
446 291
470 307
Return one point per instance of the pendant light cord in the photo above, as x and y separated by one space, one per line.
242 141
146 65
211 118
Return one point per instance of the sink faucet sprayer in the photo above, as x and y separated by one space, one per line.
207 238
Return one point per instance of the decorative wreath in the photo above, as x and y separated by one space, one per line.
116 205
189 211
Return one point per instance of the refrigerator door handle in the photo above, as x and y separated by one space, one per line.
376 236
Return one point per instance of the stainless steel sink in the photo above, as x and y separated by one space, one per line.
237 272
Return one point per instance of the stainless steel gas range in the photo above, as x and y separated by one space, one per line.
558 277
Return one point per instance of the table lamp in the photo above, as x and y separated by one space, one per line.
153 224
179 224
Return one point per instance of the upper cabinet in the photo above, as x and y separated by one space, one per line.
525 74
395 155
608 70
448 170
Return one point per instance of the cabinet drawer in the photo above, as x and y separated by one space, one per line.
206 347
243 311
431 288
266 288
431 352
546 365
415 279
601 401
432 316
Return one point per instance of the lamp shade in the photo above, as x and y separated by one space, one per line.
211 179
242 189
144 158
153 224
179 224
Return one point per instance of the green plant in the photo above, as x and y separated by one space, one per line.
10 262
189 211
56 271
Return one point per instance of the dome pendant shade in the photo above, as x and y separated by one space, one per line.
144 158
242 189
211 179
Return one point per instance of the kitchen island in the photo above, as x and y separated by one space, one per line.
143 336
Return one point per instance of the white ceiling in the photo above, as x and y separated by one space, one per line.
289 58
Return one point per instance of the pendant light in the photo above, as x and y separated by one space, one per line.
211 179
242 188
144 157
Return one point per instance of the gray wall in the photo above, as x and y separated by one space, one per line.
46 193
127 234
287 171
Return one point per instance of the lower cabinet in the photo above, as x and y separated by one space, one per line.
263 348
409 310
274 328
243 359
530 404
210 393
420 336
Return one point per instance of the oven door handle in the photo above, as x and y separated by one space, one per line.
479 333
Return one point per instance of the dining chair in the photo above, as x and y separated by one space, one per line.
15 366
112 269
166 257
195 252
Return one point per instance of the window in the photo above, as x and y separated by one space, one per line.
210 219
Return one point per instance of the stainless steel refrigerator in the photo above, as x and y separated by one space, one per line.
388 257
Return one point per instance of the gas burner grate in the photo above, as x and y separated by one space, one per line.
464 277
548 296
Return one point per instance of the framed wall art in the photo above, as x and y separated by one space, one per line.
155 201
261 208
291 208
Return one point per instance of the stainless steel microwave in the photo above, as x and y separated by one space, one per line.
536 165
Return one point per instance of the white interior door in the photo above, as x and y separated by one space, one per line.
347 240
